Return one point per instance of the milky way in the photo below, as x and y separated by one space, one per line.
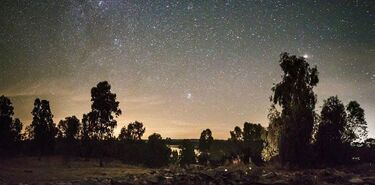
182 66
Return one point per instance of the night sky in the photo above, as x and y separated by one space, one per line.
182 66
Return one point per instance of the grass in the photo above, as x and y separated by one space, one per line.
56 169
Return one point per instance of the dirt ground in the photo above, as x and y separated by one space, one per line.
56 170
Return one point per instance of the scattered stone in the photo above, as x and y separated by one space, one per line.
305 180
269 175
356 180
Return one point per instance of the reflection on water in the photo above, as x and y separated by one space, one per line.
178 149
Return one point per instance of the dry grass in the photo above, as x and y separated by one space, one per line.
55 169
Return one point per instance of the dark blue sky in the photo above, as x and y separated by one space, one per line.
182 66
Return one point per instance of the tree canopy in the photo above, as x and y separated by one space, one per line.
133 132
296 97
103 109
205 140
10 128
69 128
42 127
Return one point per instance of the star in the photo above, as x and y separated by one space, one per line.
188 96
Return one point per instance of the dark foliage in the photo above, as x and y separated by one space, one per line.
366 152
205 140
253 142
158 153
43 129
273 134
187 153
338 130
69 134
10 128
296 97
236 134
101 118
69 128
248 142
133 132
330 145
357 125
133 152
103 109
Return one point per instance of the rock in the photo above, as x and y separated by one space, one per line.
153 179
236 175
356 180
113 182
305 180
64 183
269 175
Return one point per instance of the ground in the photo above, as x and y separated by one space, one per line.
56 170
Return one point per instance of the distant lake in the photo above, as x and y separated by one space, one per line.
178 149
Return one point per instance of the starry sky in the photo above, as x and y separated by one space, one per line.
182 66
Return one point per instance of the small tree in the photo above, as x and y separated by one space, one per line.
103 109
273 134
10 128
331 132
133 132
42 127
187 153
253 136
236 134
16 129
69 133
357 126
205 141
158 152
69 128
86 130
86 136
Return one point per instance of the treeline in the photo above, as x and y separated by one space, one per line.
296 135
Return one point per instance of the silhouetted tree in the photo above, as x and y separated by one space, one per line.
331 131
297 99
103 109
16 129
69 133
236 140
273 134
86 130
42 127
86 136
367 151
69 128
158 152
10 128
133 132
205 140
29 133
187 153
253 142
357 125
236 134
